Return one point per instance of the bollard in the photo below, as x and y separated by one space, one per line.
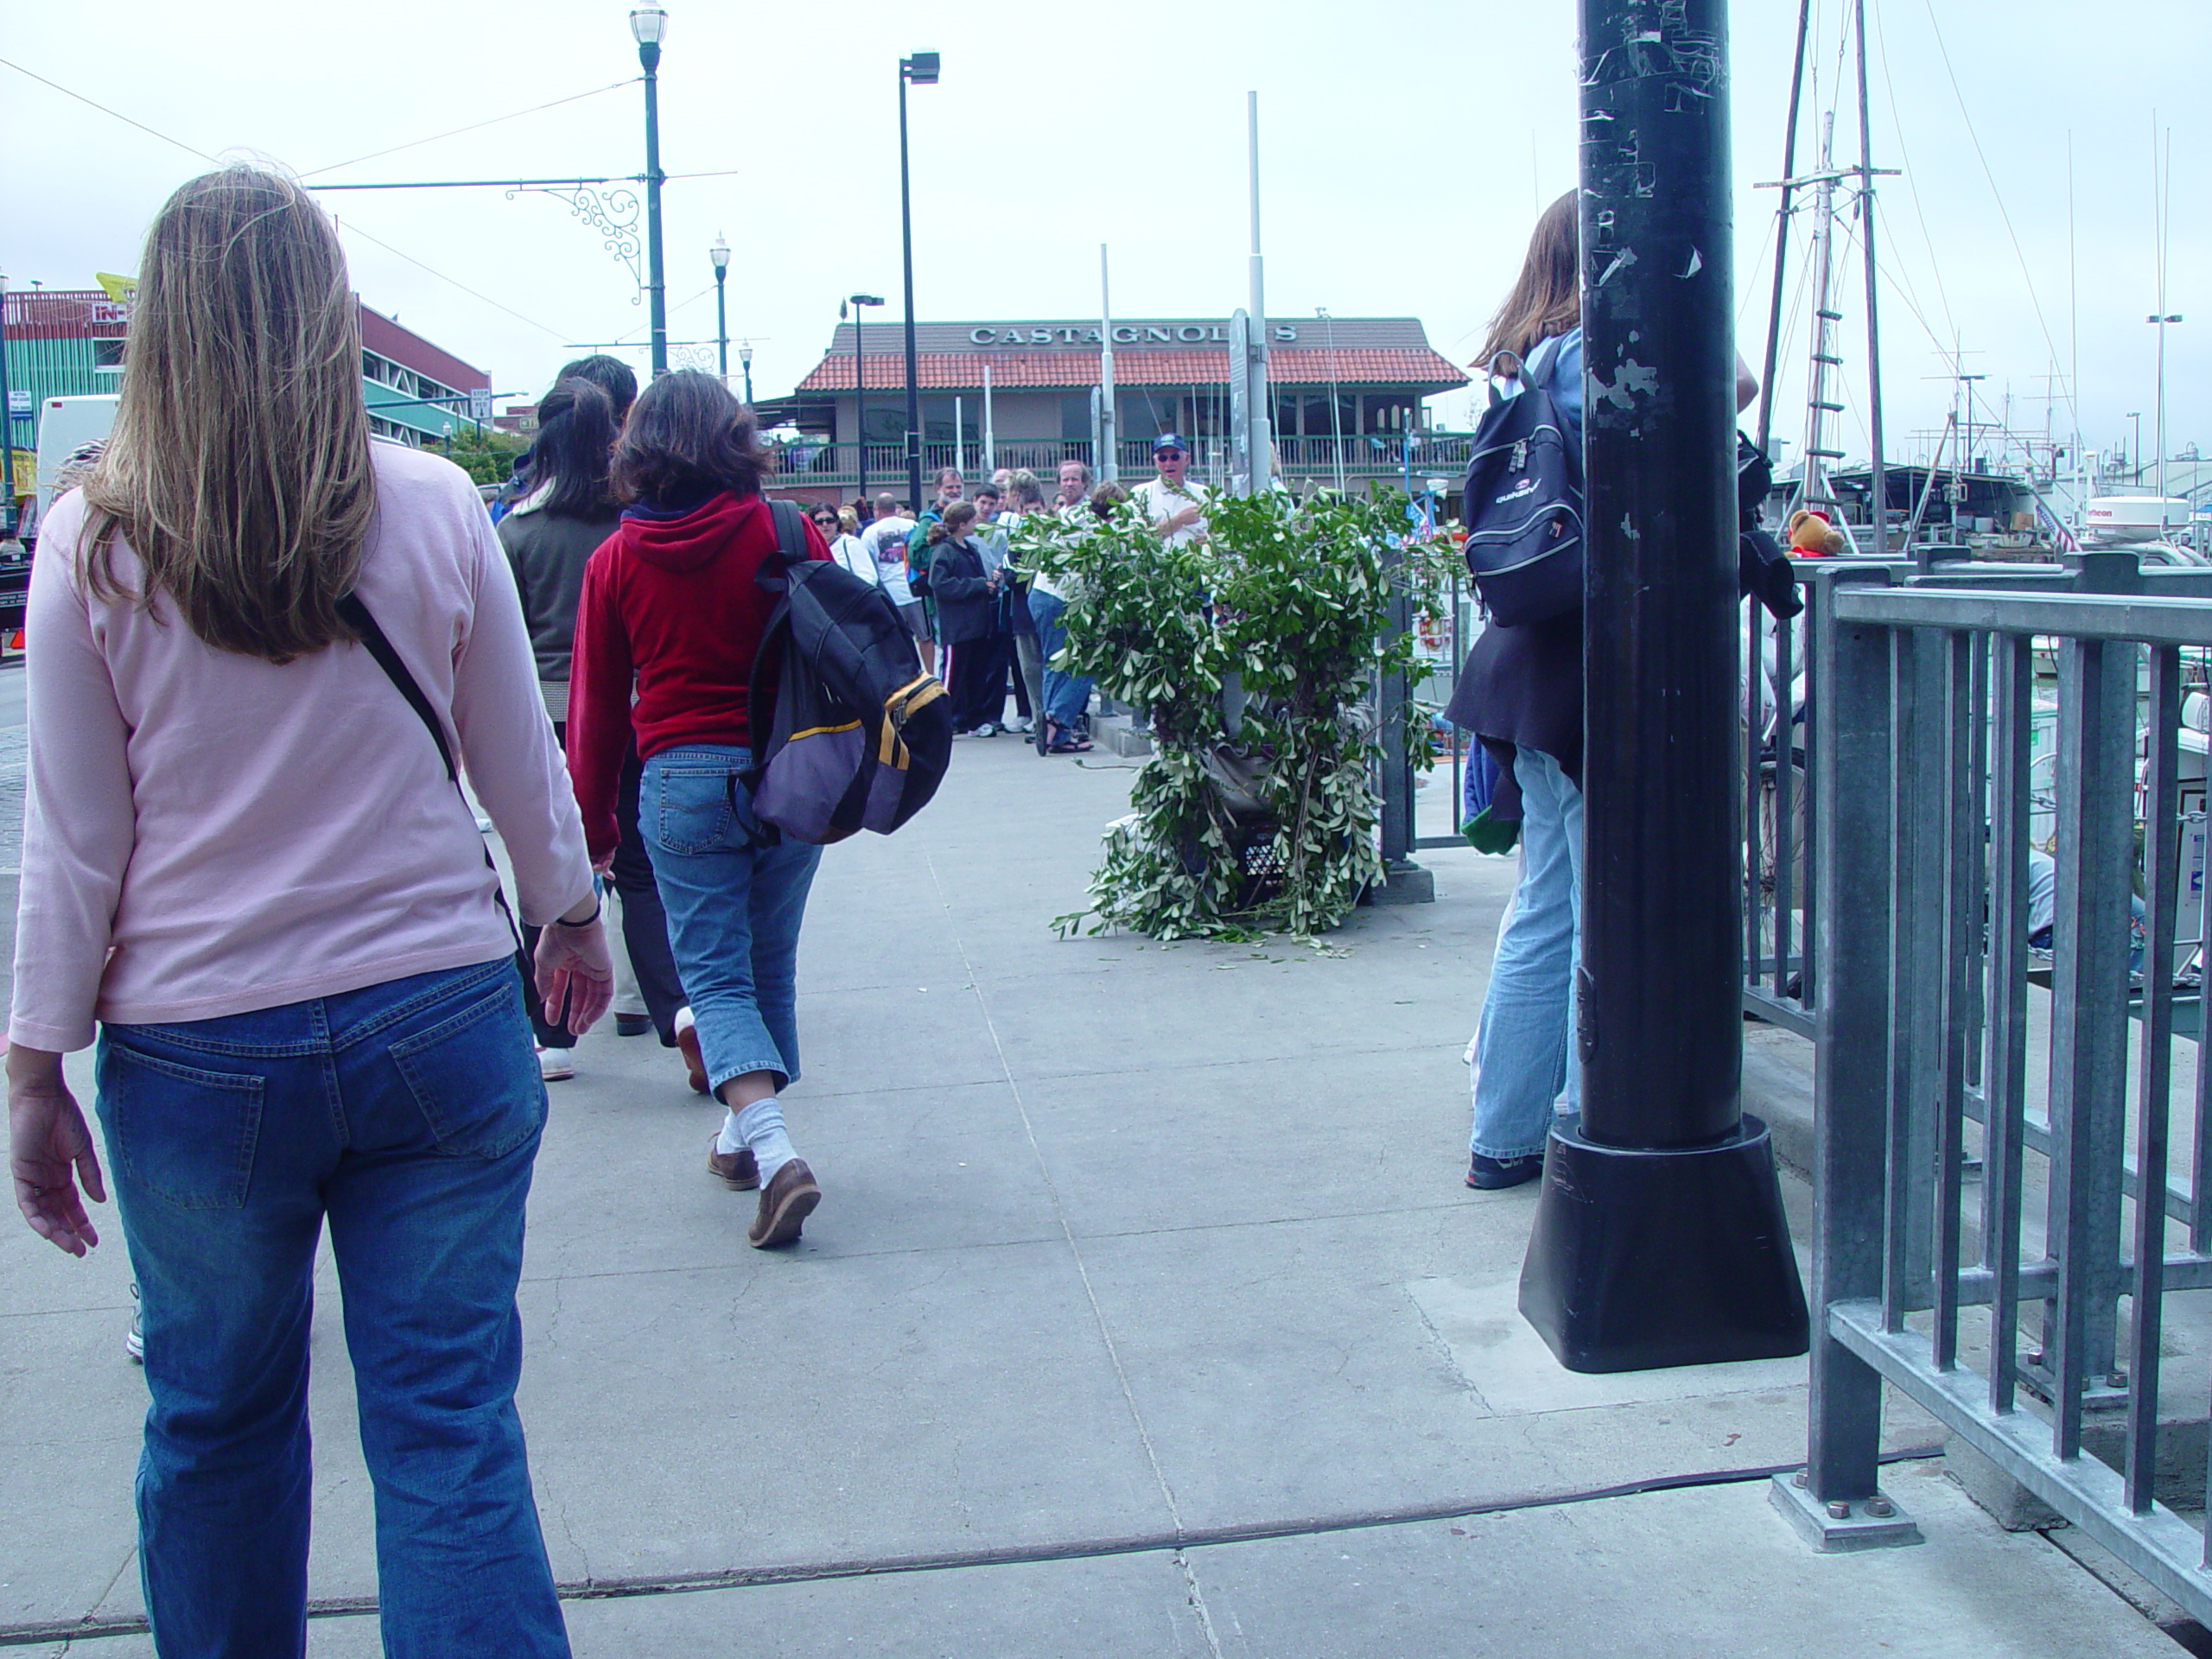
1659 1237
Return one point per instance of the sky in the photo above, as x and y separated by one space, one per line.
1405 149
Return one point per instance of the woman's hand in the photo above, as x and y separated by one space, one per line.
50 1151
575 972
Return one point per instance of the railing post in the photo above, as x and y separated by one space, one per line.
1837 1503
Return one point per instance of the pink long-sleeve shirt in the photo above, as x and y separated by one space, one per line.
207 833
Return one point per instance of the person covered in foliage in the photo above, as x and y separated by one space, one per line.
1174 503
671 607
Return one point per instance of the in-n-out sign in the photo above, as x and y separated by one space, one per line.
1125 333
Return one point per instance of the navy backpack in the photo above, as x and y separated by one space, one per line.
1522 503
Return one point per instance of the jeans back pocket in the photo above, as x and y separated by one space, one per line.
183 1134
473 1077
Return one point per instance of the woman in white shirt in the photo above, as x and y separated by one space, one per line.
837 526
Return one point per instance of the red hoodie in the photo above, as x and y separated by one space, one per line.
670 605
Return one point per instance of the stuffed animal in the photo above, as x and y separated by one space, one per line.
1811 535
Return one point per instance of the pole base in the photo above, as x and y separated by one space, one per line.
1873 1522
1641 1260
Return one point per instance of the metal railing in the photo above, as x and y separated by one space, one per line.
813 464
1998 1315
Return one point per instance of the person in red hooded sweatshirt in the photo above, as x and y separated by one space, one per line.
671 609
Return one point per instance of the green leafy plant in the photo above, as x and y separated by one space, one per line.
1276 831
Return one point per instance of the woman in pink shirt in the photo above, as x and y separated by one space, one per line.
257 639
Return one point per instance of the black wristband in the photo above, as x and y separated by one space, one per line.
597 905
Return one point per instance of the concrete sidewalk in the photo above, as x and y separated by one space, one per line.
1145 1313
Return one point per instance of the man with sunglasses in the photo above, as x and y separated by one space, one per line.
1174 505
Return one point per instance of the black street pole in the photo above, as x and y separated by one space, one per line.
922 70
7 429
649 24
1659 1237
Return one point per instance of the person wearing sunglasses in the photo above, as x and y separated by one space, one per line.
1174 504
837 528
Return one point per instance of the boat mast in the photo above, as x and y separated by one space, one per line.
1819 404
1781 230
1866 169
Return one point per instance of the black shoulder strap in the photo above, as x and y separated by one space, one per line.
356 616
791 529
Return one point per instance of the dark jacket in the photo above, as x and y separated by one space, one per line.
967 606
548 556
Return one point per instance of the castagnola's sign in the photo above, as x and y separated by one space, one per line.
1125 333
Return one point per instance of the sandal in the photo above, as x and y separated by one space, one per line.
1069 745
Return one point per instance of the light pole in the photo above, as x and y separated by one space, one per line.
2162 318
859 302
922 70
745 359
649 28
1336 421
7 429
720 254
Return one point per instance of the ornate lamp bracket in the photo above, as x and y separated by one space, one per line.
612 214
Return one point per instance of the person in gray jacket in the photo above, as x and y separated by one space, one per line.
549 535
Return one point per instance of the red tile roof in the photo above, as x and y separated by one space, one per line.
1287 366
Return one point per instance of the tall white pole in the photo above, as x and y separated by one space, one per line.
1261 428
1110 446
990 443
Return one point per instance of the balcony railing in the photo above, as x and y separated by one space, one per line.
835 467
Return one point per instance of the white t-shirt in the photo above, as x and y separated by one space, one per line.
1159 502
849 551
885 544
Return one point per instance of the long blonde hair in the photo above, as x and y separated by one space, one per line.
1547 298
239 469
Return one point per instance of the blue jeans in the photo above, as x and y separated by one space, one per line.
408 1114
1522 1059
734 905
1067 696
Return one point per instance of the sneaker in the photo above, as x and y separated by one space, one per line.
739 1171
134 1340
987 730
785 1203
555 1064
632 1024
1493 1174
1019 723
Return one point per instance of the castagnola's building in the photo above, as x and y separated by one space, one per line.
1024 394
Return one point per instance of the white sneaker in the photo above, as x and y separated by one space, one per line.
987 730
555 1064
1021 724
134 1340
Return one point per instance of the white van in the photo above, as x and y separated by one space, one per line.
63 423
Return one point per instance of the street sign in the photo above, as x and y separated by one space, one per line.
479 404
19 401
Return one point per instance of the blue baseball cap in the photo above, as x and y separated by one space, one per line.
1170 441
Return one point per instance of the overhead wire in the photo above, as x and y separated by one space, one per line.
346 226
473 126
94 103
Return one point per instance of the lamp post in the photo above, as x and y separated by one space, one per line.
745 360
720 254
2161 317
859 302
922 70
1336 420
649 28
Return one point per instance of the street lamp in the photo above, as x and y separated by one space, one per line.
745 357
649 28
720 254
859 302
922 70
1336 421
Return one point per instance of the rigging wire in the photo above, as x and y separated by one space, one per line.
473 126
2034 302
1912 186
349 225
68 93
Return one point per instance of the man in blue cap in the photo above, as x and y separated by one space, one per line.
1174 505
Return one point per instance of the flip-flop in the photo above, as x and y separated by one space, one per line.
1077 745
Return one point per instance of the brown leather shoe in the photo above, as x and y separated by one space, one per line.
739 1171
687 1045
785 1203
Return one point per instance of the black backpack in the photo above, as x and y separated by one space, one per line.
1523 506
848 732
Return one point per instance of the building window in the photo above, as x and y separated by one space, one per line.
107 356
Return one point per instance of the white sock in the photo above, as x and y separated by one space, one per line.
729 1139
760 1126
